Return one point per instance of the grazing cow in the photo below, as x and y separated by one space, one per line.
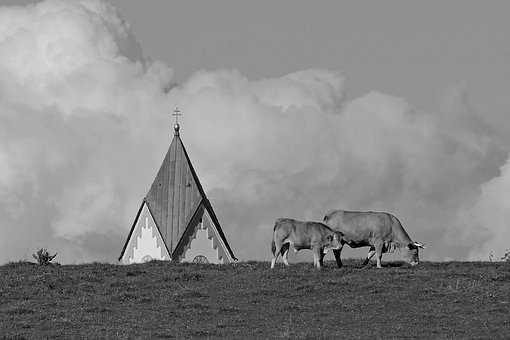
380 231
303 235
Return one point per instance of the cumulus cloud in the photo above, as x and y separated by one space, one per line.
79 106
322 152
490 217
84 127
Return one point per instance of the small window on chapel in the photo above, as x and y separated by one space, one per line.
200 259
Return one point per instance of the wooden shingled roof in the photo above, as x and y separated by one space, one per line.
176 199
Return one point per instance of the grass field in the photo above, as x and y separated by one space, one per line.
248 300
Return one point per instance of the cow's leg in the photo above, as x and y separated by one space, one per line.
285 253
337 253
370 254
378 253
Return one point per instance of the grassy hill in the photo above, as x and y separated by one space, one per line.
248 300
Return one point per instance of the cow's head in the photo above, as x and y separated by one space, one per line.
412 253
333 241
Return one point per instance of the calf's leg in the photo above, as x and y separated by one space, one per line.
276 252
316 257
285 253
378 254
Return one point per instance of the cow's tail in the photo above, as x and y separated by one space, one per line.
273 244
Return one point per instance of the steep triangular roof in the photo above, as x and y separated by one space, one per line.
176 200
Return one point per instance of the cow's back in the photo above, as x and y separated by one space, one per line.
360 226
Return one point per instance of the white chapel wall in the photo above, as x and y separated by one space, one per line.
202 245
145 243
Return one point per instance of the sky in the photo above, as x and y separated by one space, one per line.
415 50
290 109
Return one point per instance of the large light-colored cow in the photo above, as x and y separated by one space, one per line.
316 236
380 231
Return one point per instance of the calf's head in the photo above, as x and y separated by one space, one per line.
333 241
411 254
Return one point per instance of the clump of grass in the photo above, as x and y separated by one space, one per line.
21 263
190 277
135 273
43 257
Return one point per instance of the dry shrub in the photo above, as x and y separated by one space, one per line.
43 257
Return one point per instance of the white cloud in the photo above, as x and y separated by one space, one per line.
262 159
491 216
79 107
84 126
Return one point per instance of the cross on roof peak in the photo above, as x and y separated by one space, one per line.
176 114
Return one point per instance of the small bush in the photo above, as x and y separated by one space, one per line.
43 257
506 257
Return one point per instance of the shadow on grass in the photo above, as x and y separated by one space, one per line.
395 264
